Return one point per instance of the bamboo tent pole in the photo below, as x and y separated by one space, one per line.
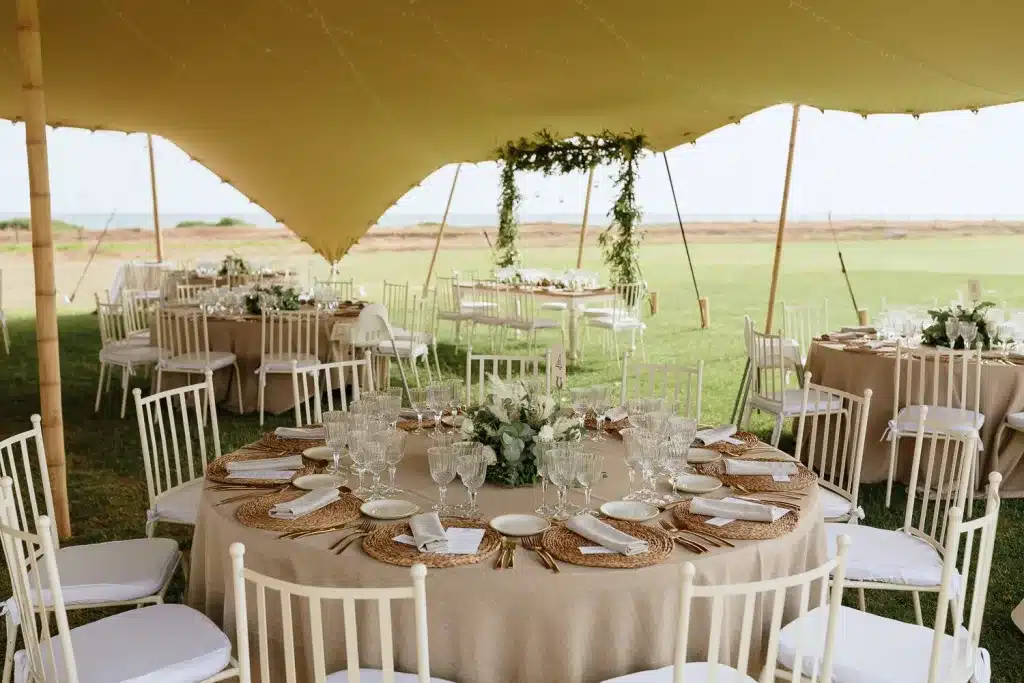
586 218
440 231
156 209
702 304
782 220
30 51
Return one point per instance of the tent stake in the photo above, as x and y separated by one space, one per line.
702 303
586 217
440 231
156 210
782 221
47 344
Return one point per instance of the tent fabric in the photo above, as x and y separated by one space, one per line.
326 111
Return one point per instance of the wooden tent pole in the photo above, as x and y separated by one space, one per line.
440 231
782 220
30 51
156 209
586 217
702 302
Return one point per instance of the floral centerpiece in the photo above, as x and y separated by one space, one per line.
935 334
511 420
277 297
233 264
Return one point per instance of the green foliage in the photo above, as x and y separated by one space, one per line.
935 334
233 264
229 221
277 297
225 222
620 243
15 224
26 224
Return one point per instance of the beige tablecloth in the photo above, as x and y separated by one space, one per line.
525 624
1002 392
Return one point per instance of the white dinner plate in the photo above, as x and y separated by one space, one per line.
519 525
389 508
697 483
308 482
629 510
320 453
453 420
702 455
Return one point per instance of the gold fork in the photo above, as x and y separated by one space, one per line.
687 543
533 543
364 527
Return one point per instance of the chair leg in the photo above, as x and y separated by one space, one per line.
415 372
150 528
110 374
917 608
862 603
426 364
159 378
99 388
125 376
643 346
238 388
12 639
261 390
458 330
777 431
437 363
893 449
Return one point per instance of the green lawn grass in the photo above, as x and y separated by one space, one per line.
106 480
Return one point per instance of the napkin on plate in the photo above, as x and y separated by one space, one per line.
734 508
716 434
759 468
861 329
291 462
616 414
606 535
305 504
429 534
841 336
301 433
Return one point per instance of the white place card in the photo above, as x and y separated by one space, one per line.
460 541
264 475
719 521
780 477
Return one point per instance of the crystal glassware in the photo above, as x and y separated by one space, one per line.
631 453
969 332
676 450
561 467
395 453
336 433
589 470
356 439
374 457
418 402
442 470
436 402
540 450
472 469
952 330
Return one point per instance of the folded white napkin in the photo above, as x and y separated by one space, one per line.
606 535
616 414
862 329
428 532
759 468
734 508
300 432
262 475
716 434
291 462
304 505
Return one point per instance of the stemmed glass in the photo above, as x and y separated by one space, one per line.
357 438
436 402
418 402
589 473
952 330
442 471
374 457
472 469
455 389
395 453
336 432
969 332
632 455
561 467
676 450
540 451
600 402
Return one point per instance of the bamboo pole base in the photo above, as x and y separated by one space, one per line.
862 317
705 313
653 299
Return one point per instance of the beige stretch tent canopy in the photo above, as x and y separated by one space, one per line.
326 111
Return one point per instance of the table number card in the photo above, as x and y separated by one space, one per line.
558 369
974 290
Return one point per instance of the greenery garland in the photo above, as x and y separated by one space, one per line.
935 334
620 242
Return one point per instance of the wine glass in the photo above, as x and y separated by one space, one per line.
357 438
418 402
561 467
454 395
442 471
336 433
436 402
631 454
472 469
395 453
374 456
589 470
952 330
540 450
676 450
969 332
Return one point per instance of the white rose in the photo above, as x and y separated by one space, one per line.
546 433
467 428
563 424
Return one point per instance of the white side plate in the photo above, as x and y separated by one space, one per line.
390 508
702 455
629 510
697 483
308 482
320 453
519 525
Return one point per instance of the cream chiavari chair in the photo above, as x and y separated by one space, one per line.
283 597
507 368
110 574
625 315
286 338
168 643
373 332
487 310
395 298
948 382
117 350
832 445
316 381
521 315
3 317
191 294
682 385
138 308
876 648
342 289
184 340
448 306
176 448
801 324
910 558
769 601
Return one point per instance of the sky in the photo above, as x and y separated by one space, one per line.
947 165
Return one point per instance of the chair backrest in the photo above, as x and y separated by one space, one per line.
503 367
289 334
490 302
803 323
182 331
30 556
767 601
313 381
937 377
177 446
18 463
373 326
447 297
243 279
680 384
137 308
628 303
112 322
766 353
342 289
191 294
395 298
977 538
311 599
520 306
831 441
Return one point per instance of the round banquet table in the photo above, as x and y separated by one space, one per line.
521 624
1002 392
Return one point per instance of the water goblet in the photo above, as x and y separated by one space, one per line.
394 454
631 454
561 467
589 470
969 332
442 470
952 330
540 449
418 402
356 439
374 456
472 469
336 433
676 451
454 395
436 402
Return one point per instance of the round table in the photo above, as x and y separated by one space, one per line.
1002 392
523 624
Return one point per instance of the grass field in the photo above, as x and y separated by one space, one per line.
106 481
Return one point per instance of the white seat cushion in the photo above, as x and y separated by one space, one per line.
833 505
130 354
405 348
116 571
886 556
940 420
284 364
465 314
159 644
535 324
793 402
599 312
873 649
196 362
180 504
695 672
476 305
555 306
139 337
620 324
375 676
1015 420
